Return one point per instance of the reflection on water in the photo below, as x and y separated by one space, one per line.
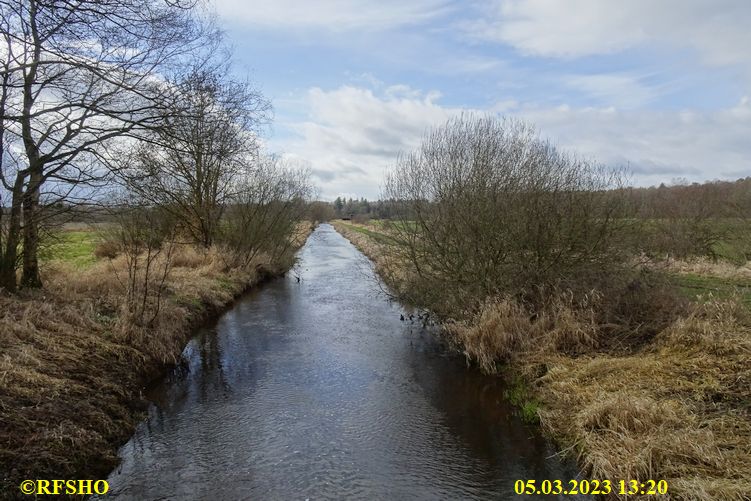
317 390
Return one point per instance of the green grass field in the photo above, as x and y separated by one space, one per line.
72 247
703 287
375 235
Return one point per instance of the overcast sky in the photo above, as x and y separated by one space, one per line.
662 86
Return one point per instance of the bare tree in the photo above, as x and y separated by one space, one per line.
265 211
320 211
192 165
489 207
76 76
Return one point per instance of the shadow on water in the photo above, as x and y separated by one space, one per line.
316 389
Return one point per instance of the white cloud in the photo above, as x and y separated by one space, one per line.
353 135
332 15
619 90
658 145
718 30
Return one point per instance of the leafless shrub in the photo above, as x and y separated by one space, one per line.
107 249
146 239
361 219
320 211
492 209
265 212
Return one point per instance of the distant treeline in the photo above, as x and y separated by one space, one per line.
691 200
680 220
711 199
711 219
378 209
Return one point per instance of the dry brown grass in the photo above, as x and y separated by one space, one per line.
708 267
670 401
365 244
677 410
495 334
72 370
106 249
504 330
385 258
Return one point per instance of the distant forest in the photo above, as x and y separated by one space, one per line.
679 199
680 220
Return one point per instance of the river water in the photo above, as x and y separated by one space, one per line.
317 390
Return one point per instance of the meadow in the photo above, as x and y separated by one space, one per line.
73 246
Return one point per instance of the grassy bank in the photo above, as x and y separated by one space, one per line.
674 405
72 372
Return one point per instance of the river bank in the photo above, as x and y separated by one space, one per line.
674 407
316 389
72 376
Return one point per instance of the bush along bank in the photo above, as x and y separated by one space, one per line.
74 363
638 385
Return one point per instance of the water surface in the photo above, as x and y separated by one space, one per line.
317 390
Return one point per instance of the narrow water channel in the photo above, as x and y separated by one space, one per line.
317 390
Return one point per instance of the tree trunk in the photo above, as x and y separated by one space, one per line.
8 270
9 257
30 275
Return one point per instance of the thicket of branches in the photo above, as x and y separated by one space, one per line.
76 76
145 237
95 92
711 219
200 157
490 208
262 218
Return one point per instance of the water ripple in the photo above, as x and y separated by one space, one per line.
316 390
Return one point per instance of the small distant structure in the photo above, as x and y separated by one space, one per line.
348 217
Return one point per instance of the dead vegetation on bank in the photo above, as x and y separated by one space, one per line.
73 364
662 393
676 408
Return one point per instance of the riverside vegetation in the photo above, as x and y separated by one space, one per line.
155 152
620 320
74 361
538 263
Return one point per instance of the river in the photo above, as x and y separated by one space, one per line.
315 389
